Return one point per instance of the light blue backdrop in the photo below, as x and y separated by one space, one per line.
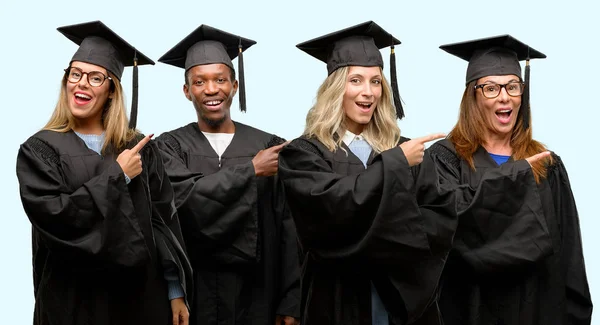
282 81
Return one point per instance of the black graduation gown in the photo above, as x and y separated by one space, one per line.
355 227
96 240
521 268
389 224
240 236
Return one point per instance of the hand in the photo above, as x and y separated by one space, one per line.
181 315
130 160
539 156
266 161
414 149
287 320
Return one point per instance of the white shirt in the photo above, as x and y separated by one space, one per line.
219 141
349 137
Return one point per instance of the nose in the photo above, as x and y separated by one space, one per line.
503 96
83 82
367 90
211 88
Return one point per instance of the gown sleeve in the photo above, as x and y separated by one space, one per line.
578 298
93 226
165 222
289 303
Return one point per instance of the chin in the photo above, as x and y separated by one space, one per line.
365 120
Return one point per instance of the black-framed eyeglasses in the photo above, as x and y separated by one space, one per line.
490 90
94 78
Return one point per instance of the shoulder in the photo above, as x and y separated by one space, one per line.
44 144
311 145
181 132
443 151
49 137
555 164
175 138
256 134
265 139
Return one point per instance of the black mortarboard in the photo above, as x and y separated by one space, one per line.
498 55
356 46
208 45
99 45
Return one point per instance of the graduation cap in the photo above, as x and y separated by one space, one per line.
356 46
99 45
209 45
498 55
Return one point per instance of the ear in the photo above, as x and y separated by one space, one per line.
186 92
235 88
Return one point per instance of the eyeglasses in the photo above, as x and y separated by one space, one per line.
94 78
493 90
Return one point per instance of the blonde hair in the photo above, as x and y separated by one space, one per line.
325 120
468 134
114 118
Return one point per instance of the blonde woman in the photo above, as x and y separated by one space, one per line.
526 267
106 239
348 187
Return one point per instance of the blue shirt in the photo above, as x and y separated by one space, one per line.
499 159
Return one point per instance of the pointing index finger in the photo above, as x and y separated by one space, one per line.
431 137
140 145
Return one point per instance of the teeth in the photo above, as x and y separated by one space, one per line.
213 102
504 111
83 96
364 104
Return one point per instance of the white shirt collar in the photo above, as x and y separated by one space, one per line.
349 137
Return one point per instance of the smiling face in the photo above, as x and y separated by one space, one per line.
211 89
363 91
500 113
87 103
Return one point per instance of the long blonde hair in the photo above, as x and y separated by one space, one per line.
114 118
468 134
325 120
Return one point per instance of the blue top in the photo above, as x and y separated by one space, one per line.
499 159
379 316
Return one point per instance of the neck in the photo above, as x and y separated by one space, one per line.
498 144
355 128
225 126
89 127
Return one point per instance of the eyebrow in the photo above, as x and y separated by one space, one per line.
203 76
495 83
363 77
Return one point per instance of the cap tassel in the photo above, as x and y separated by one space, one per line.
395 92
525 106
242 84
134 97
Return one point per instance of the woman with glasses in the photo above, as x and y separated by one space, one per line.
106 238
526 267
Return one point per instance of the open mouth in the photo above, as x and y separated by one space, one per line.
82 98
365 106
213 104
504 115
